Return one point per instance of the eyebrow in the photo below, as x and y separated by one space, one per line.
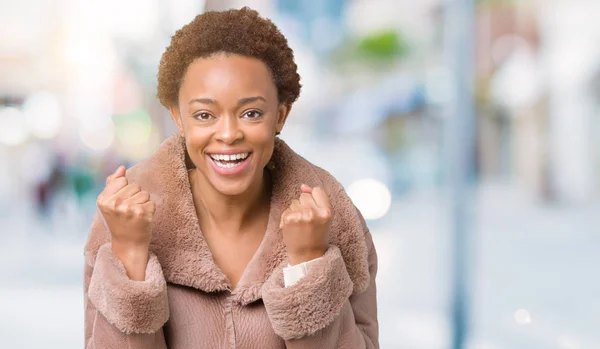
203 101
242 101
251 99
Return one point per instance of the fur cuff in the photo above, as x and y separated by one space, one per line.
132 306
313 302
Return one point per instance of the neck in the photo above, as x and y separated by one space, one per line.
229 214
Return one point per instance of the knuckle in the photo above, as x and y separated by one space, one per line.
123 209
135 212
309 215
111 206
117 201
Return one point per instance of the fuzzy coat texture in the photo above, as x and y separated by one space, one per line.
187 302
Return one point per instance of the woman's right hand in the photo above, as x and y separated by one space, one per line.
128 211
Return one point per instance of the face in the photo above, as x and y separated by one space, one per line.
229 113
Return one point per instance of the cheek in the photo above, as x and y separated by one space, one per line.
267 151
264 136
266 156
265 132
196 140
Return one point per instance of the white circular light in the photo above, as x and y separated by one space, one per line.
98 139
43 115
522 317
12 127
371 197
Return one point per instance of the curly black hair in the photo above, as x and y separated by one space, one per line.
243 32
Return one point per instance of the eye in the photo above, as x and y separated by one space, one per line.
203 116
252 114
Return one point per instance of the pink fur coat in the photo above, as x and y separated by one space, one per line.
187 302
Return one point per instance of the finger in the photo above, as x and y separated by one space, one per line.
307 215
296 206
128 191
150 207
283 215
306 189
307 201
292 218
140 198
119 172
115 185
321 197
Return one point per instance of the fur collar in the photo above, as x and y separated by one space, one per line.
181 248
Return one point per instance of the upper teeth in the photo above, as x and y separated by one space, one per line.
229 157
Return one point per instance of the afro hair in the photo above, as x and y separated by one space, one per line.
243 32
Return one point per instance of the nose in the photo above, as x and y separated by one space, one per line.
228 130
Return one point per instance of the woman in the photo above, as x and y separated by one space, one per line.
224 237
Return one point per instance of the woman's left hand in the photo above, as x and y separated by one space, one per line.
305 225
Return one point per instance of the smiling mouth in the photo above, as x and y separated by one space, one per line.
229 161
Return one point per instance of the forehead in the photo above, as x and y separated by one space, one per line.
227 75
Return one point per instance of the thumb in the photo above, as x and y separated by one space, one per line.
119 172
306 189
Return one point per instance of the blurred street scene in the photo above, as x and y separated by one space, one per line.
78 98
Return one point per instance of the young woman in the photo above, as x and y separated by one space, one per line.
225 237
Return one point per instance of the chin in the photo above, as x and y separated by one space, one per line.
235 188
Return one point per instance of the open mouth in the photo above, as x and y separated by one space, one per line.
230 160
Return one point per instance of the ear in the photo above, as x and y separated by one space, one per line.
176 116
282 114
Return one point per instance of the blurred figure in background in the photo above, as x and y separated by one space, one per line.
56 183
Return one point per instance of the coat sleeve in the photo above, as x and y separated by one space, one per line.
320 310
120 312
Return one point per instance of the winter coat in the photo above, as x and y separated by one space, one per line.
187 302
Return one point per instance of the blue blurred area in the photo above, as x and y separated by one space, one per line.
77 98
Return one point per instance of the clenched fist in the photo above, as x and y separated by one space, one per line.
305 225
128 211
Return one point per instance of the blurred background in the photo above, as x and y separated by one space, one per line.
467 133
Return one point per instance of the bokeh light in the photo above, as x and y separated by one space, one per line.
522 317
13 130
43 115
99 139
371 197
